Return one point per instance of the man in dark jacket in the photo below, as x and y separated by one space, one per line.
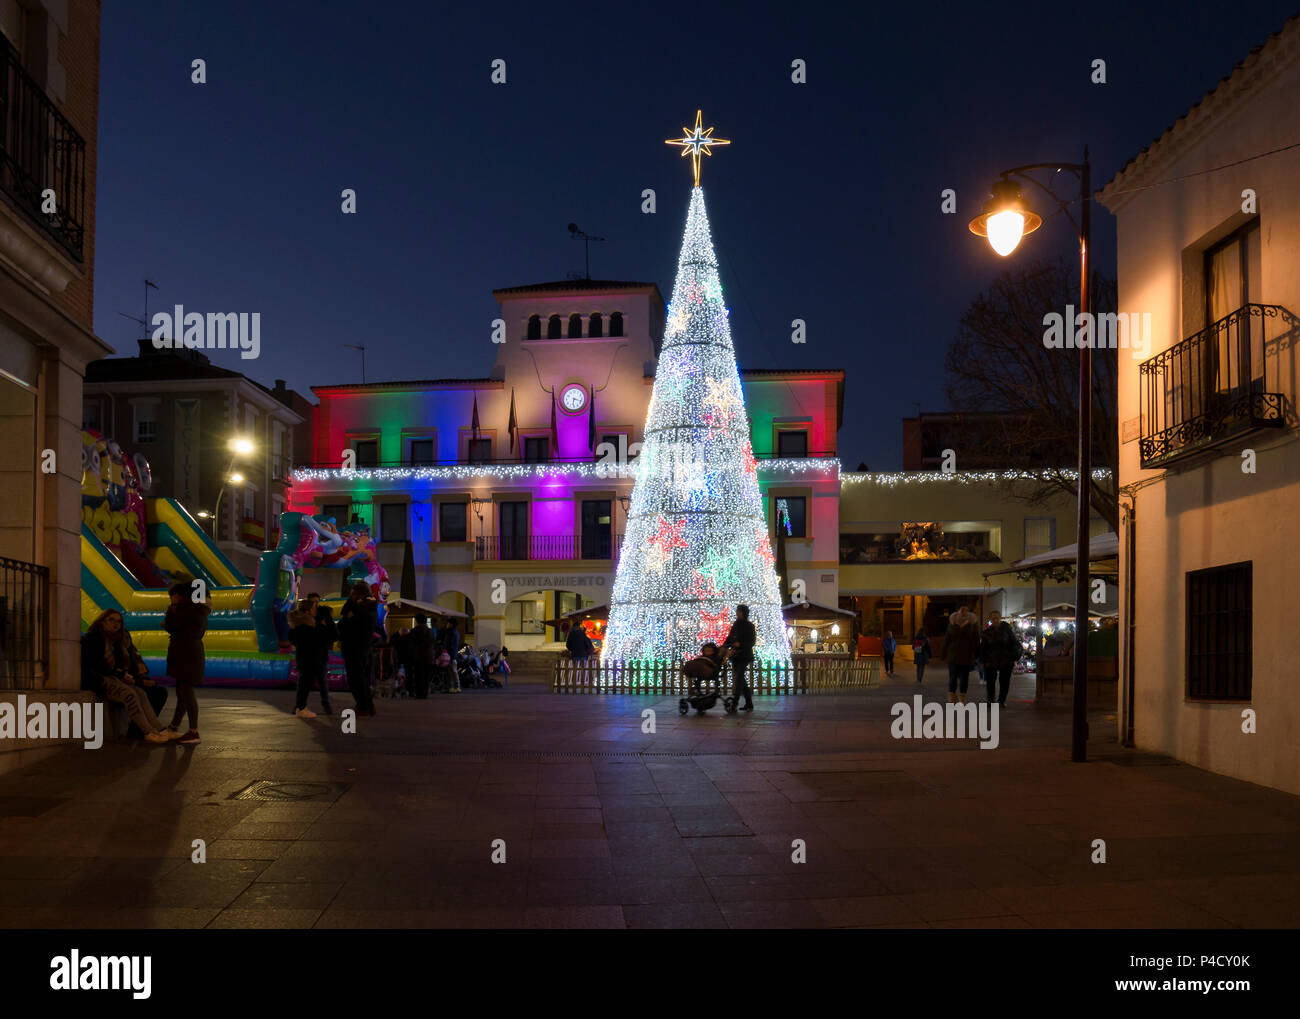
579 644
357 624
999 651
741 637
422 650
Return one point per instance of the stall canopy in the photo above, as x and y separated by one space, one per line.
1101 548
600 612
805 612
411 605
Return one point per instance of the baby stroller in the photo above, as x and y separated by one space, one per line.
706 686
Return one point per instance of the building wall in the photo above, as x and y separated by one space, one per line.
1210 513
620 370
869 499
46 340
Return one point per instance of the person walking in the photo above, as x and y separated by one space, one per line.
742 636
112 668
422 650
999 651
922 652
327 632
357 622
887 648
960 646
304 632
186 621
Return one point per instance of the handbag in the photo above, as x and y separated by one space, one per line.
443 660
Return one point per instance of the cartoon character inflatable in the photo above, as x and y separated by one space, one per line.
308 542
113 486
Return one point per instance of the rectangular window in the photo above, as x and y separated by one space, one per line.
792 443
146 424
90 415
796 506
597 529
1219 633
392 521
367 451
337 510
537 449
421 452
513 529
480 451
1040 535
452 521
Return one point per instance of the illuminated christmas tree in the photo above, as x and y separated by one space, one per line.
696 542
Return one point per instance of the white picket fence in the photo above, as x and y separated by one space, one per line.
806 675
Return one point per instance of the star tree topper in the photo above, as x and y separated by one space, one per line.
697 141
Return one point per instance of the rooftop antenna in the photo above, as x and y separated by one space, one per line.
575 233
144 322
361 347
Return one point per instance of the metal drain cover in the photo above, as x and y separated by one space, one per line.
292 792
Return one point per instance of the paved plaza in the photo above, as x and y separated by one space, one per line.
607 826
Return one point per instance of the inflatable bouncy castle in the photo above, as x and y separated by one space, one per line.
134 547
308 542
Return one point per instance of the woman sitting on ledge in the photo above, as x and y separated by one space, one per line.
112 669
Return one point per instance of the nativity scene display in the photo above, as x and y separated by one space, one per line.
924 541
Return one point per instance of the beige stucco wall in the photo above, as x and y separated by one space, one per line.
1210 514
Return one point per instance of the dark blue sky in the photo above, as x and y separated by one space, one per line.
825 207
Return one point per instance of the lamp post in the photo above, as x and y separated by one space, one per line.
1005 219
238 446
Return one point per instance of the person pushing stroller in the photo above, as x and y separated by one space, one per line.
741 639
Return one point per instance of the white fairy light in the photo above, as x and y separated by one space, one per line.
697 542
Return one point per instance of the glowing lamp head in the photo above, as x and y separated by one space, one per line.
236 478
241 445
1005 218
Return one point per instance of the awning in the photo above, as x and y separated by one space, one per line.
1100 547
600 612
423 607
808 610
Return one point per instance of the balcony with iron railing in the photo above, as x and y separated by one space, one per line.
24 634
547 547
1215 386
39 151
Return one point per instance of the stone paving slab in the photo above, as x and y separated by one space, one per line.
605 826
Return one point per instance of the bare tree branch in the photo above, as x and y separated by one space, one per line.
999 363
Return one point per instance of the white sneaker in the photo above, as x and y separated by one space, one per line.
156 737
305 713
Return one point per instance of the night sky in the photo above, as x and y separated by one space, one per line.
826 206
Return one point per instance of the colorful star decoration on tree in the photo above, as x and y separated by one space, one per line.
714 625
764 546
702 587
669 536
719 566
697 141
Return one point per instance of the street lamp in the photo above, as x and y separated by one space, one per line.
238 445
1005 219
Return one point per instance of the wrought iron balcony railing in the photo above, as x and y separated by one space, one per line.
546 547
40 150
1212 387
24 634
